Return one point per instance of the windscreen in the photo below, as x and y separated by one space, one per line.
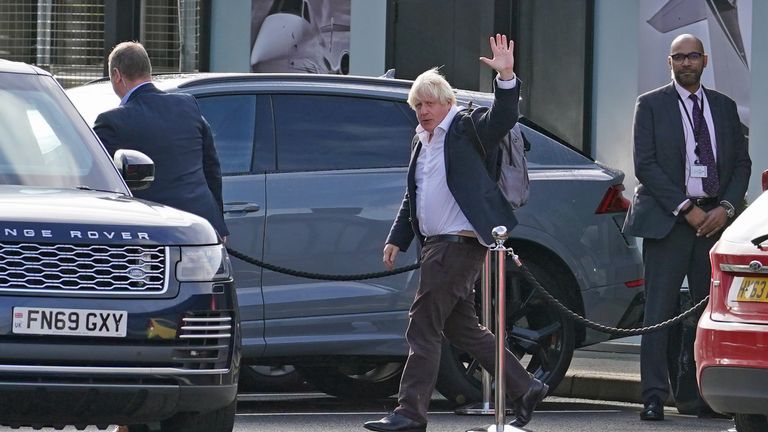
45 142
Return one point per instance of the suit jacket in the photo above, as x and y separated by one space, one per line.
660 158
170 129
476 193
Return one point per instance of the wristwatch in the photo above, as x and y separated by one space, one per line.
730 211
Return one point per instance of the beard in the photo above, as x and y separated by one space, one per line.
688 77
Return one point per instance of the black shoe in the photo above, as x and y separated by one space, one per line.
525 404
395 423
653 409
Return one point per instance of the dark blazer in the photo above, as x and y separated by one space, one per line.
170 129
660 158
476 193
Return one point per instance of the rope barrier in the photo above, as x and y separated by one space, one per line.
523 269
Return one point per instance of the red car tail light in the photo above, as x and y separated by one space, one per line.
613 201
739 290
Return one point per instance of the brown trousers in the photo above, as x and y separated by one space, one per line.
445 305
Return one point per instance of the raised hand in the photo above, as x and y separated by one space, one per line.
503 60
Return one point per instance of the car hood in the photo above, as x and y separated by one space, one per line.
62 216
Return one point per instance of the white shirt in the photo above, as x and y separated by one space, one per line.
693 185
436 208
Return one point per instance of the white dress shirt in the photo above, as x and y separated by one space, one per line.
693 185
436 208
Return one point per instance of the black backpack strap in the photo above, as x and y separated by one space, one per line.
469 126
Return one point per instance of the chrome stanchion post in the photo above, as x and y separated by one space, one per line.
485 407
499 253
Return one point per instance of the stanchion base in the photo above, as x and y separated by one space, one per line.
478 408
492 428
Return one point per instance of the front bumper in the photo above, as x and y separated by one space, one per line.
180 354
62 403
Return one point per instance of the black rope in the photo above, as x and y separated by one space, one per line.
321 276
522 268
603 328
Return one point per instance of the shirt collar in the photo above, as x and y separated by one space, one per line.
127 96
685 94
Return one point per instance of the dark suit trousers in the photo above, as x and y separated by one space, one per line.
445 305
667 262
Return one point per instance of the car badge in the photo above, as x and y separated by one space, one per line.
755 266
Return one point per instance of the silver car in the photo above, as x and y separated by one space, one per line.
315 169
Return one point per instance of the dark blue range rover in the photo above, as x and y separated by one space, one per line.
113 310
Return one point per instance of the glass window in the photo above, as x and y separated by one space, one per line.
232 119
44 141
546 151
333 132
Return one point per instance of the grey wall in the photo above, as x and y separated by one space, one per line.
368 37
230 36
615 84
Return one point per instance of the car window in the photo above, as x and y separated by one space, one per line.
232 119
316 132
546 151
44 141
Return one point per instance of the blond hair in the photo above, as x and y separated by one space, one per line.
431 85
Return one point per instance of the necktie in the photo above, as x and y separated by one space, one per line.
705 156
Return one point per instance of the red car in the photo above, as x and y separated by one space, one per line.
732 336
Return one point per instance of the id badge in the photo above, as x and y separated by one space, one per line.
699 171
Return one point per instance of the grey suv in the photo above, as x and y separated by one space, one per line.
315 169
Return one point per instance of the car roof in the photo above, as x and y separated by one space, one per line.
7 66
173 81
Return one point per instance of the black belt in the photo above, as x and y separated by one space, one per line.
451 238
704 202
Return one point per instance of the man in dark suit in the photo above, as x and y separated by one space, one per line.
451 205
168 128
693 167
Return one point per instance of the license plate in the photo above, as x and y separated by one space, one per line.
73 322
749 289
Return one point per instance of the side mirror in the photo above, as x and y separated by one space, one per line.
137 169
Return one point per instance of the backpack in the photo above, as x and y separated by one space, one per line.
511 169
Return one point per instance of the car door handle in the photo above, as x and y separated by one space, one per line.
241 207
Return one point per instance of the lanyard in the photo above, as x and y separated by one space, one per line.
696 131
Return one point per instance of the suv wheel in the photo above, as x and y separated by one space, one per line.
262 378
541 337
220 420
368 381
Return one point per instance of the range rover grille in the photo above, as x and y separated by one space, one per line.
82 269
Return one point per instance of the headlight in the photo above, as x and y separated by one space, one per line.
203 264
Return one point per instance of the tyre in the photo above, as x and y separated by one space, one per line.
261 378
541 337
681 364
220 420
360 381
750 423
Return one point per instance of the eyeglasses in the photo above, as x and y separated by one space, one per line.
692 56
